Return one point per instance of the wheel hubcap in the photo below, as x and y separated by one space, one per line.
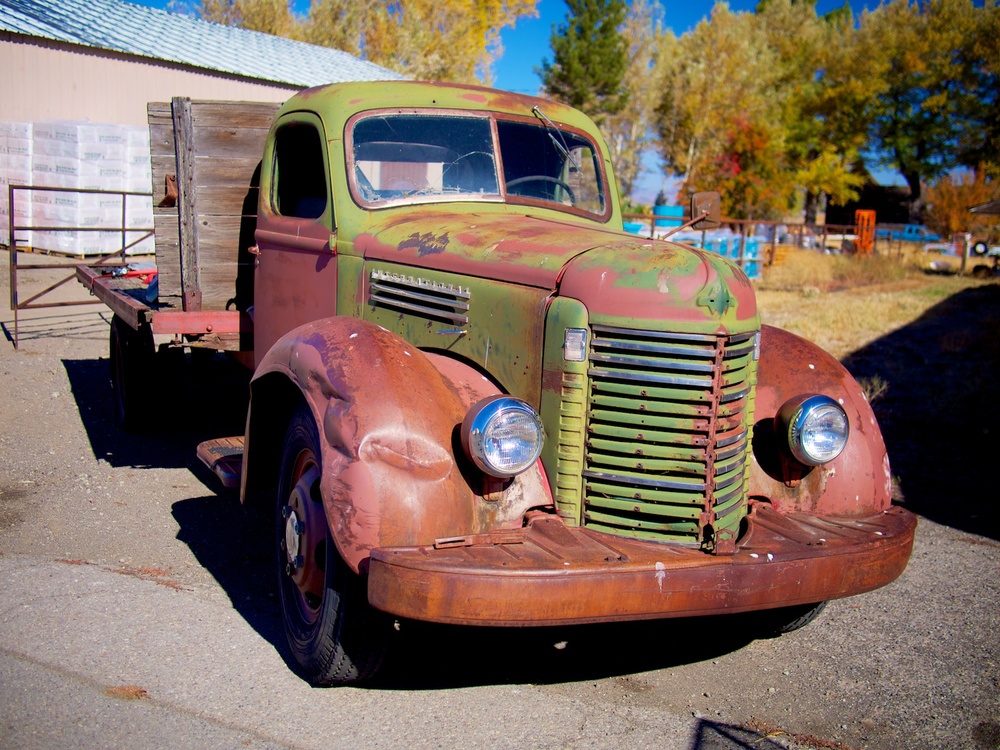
293 538
304 538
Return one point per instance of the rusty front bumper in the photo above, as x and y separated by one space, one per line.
549 574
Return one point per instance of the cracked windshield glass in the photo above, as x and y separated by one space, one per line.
418 158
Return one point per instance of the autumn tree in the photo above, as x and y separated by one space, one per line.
590 58
979 147
950 198
938 99
268 16
443 40
782 79
824 102
750 172
720 84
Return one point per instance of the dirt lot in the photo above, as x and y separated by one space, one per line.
135 604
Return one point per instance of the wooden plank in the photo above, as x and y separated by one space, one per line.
158 109
161 139
165 224
242 143
167 254
222 171
227 201
215 231
209 113
163 161
186 202
222 262
163 164
224 143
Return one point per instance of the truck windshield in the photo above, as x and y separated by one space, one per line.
422 158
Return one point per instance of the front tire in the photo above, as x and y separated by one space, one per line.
335 636
778 622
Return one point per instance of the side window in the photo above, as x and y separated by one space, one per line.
299 172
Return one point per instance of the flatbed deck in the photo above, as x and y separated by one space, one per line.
126 296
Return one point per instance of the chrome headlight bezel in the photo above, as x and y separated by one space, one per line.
502 436
815 428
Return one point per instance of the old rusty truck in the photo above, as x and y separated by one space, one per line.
476 400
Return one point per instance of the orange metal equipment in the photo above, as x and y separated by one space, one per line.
865 221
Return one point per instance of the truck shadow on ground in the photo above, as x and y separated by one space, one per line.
939 415
193 397
425 656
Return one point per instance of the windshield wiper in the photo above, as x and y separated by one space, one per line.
560 145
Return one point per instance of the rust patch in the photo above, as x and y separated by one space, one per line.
73 562
425 244
127 693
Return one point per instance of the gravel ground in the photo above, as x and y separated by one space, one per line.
125 573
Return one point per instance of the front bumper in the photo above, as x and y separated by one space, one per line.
548 573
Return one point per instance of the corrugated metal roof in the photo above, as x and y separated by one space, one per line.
150 32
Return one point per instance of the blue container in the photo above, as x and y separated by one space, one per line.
676 214
634 227
751 258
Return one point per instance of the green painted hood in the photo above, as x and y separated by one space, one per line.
616 275
504 246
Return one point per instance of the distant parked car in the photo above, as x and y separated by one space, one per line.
907 232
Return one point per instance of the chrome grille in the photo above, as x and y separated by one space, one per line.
419 296
668 435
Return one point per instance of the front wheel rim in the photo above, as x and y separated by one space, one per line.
302 539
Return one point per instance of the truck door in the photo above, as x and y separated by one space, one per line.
295 280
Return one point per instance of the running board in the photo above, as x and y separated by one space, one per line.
224 457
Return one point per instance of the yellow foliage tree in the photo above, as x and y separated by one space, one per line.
442 40
951 197
268 16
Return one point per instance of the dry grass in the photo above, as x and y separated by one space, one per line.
843 303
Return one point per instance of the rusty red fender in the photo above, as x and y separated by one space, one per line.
856 483
388 416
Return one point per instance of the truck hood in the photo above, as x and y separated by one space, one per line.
612 273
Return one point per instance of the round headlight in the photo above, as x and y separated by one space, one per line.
816 428
502 435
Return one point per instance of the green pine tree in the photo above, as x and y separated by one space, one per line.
590 58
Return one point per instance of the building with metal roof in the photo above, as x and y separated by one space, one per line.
102 60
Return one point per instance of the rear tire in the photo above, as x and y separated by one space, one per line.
132 370
335 636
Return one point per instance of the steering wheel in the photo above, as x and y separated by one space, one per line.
544 178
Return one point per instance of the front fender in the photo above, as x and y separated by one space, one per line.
856 483
388 416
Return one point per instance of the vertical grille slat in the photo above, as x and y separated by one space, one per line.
668 434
